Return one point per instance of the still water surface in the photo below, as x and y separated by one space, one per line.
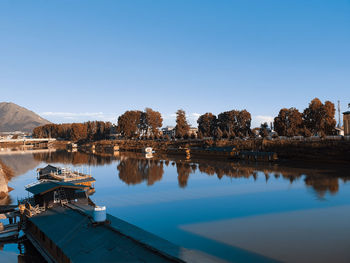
234 211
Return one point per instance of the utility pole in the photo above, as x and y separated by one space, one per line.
339 114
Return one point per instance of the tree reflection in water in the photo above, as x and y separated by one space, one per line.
134 169
323 185
75 158
183 173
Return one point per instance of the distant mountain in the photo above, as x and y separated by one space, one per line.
17 118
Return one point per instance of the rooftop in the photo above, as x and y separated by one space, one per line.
117 242
346 113
47 169
46 186
168 128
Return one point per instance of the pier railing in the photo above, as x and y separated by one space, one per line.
33 210
28 207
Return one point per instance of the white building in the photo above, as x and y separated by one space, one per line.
169 130
193 130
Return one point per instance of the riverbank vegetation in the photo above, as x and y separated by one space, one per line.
138 124
316 119
87 131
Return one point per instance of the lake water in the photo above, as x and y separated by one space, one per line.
238 212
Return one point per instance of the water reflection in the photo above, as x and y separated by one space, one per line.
135 171
184 170
323 185
19 163
217 200
75 158
134 168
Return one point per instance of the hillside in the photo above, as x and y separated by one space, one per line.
17 118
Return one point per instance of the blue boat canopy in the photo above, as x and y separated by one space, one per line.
46 186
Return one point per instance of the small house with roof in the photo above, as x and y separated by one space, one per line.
168 131
48 170
64 175
47 194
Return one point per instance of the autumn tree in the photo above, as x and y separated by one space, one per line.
235 122
140 124
207 124
38 132
182 128
329 120
50 131
129 124
227 121
78 131
318 118
100 130
154 121
244 122
288 122
92 130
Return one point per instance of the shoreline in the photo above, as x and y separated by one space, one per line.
328 151
325 151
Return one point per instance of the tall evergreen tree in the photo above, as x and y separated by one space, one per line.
182 128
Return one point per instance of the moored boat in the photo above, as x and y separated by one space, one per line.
64 175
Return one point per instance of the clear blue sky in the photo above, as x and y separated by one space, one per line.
79 60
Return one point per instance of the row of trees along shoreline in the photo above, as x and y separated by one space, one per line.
316 119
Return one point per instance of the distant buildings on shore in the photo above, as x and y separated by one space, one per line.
193 131
14 135
339 131
171 132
